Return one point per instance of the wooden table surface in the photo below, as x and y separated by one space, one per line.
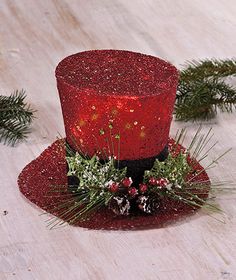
34 37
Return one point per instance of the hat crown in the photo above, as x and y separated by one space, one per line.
117 72
117 102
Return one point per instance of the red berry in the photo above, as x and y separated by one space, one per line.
133 191
127 182
114 187
143 188
162 182
152 181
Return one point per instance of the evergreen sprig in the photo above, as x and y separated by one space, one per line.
202 89
92 173
15 117
176 169
92 189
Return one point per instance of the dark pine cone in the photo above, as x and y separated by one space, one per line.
120 205
148 204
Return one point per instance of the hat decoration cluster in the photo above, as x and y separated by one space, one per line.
177 182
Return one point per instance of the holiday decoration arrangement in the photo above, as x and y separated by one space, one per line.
118 168
178 183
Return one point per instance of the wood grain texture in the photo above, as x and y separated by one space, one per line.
34 37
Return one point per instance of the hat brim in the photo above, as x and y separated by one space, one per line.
50 168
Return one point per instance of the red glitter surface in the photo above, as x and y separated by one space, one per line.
49 169
111 94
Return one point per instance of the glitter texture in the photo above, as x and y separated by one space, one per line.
49 169
117 102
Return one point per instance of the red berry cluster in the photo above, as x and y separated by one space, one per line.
124 186
160 182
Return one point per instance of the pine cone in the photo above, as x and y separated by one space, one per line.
148 204
120 205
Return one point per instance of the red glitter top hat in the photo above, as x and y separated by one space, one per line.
117 102
114 103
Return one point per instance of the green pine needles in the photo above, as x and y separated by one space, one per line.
91 172
94 178
15 117
175 169
202 89
92 191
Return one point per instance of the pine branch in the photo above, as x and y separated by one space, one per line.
202 90
92 190
219 68
15 117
